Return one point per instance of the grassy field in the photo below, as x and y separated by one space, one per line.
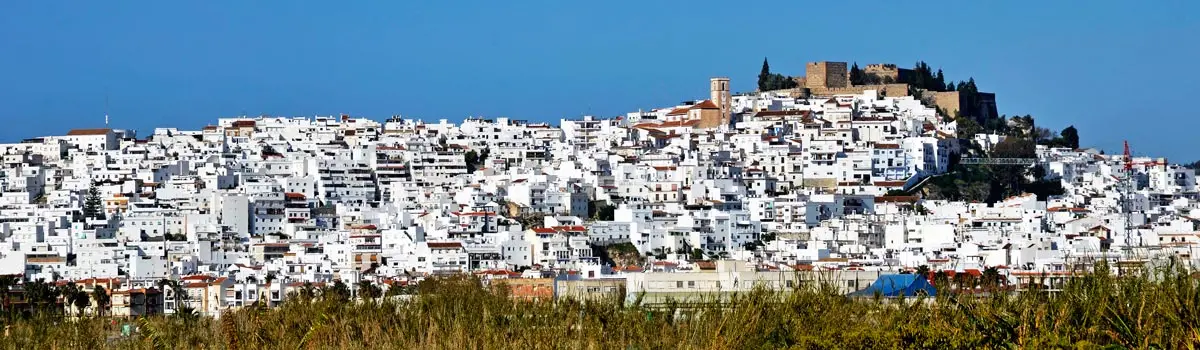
1155 310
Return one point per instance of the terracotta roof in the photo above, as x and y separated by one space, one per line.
294 195
88 132
244 124
543 230
706 104
678 111
570 228
887 146
679 123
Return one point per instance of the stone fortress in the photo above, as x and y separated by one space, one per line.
827 78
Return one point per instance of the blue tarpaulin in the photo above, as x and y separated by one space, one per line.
896 285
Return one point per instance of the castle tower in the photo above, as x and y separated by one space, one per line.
719 94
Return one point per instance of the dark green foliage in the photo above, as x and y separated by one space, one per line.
471 158
475 160
369 291
338 291
768 81
857 77
601 211
1068 138
764 75
100 295
93 205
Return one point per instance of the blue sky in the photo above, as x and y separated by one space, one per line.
1115 70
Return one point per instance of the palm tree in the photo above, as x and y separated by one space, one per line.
992 278
102 299
70 292
941 280
177 292
923 271
81 301
307 291
41 295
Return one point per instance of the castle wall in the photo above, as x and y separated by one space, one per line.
826 75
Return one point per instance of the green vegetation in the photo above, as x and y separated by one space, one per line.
995 182
768 81
1098 310
601 210
620 254
992 183
93 206
475 160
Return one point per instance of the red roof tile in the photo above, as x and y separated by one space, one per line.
88 132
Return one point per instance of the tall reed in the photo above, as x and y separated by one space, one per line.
1159 308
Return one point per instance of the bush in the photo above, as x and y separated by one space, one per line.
1149 310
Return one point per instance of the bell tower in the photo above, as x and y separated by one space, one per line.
718 88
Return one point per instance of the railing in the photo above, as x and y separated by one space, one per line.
998 161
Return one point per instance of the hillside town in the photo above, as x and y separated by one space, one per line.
778 188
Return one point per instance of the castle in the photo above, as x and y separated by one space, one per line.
827 78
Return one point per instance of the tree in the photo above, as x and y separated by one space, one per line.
1070 137
368 291
967 128
992 278
856 75
940 81
41 295
102 299
764 76
338 292
93 206
471 158
307 291
602 211
941 279
1014 147
74 296
81 301
6 282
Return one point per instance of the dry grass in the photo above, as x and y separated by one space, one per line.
1159 310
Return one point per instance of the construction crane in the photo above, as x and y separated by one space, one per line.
1128 186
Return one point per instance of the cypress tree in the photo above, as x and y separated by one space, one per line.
93 206
764 77
856 75
940 82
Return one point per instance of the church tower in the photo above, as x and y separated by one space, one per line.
719 94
